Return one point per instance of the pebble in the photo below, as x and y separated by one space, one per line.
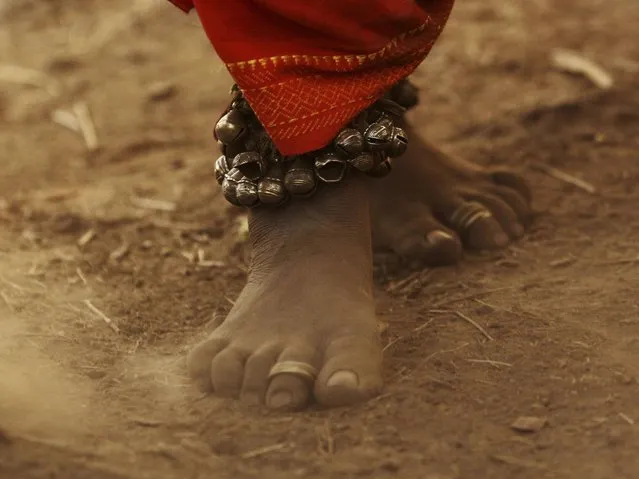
528 424
161 91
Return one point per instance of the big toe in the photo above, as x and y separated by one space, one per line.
351 372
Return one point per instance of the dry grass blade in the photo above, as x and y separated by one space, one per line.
474 323
264 450
627 418
26 76
491 362
565 177
103 316
7 301
447 302
120 252
66 119
153 204
574 62
86 238
86 125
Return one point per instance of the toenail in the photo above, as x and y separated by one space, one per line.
500 239
280 400
345 379
437 236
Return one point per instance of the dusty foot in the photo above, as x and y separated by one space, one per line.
308 299
433 204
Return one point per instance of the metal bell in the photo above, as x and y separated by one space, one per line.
270 189
405 93
251 164
349 142
222 167
398 143
382 169
378 136
363 162
230 127
300 179
386 121
246 192
231 151
373 114
229 186
330 168
391 107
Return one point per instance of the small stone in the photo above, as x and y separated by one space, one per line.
161 91
64 63
96 374
529 424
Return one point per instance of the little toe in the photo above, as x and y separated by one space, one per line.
351 372
227 372
199 361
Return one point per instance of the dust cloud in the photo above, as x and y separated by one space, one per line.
38 397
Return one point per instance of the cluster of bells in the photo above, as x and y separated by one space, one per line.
252 172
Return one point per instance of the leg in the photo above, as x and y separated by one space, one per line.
308 299
414 210
308 302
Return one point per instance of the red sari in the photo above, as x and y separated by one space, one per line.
307 67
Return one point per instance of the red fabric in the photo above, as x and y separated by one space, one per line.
308 67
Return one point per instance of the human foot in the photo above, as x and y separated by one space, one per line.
433 204
308 301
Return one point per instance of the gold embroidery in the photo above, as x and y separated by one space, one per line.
320 112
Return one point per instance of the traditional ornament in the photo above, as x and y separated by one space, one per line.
251 170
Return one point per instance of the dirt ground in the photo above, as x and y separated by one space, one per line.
115 255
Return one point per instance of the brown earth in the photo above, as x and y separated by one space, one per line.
558 335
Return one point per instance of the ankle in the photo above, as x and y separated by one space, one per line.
332 226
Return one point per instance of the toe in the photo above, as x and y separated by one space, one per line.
473 222
199 361
431 244
516 201
414 234
501 211
443 246
256 371
505 177
227 372
351 372
292 391
485 234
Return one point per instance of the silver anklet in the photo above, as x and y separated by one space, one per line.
252 172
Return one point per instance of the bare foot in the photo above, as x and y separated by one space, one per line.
432 206
308 300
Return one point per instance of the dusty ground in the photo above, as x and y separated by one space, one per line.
559 309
